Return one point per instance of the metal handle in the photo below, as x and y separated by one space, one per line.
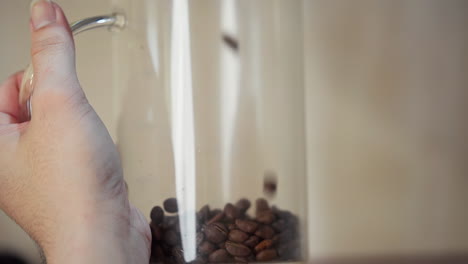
114 21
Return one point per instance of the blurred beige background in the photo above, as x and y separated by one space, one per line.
386 86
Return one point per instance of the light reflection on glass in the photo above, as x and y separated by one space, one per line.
183 125
229 83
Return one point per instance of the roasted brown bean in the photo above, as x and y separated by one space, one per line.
243 205
157 215
231 211
206 248
237 250
267 243
266 255
170 205
252 241
246 225
218 217
266 217
216 232
265 232
219 255
237 235
261 205
171 237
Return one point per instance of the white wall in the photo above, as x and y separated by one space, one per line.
387 102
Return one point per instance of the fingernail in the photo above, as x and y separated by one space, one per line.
42 13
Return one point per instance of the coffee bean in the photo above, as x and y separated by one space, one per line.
261 205
214 212
157 215
219 255
252 241
241 259
156 232
270 184
266 255
265 232
243 205
167 249
285 250
206 248
170 222
237 250
200 238
218 217
199 260
157 251
286 235
279 225
232 226
170 205
231 211
216 232
204 214
246 225
222 245
267 243
266 217
237 235
171 237
178 254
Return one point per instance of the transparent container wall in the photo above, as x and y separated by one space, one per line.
210 104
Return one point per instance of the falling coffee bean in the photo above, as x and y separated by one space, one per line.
237 250
219 255
237 235
246 225
170 205
267 255
157 215
270 184
216 232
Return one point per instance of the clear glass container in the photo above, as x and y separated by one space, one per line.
210 110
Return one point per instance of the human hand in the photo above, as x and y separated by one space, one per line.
60 174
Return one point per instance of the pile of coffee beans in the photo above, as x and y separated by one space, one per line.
228 235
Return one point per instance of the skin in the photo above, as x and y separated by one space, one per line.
61 178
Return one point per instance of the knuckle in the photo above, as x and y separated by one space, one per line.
55 40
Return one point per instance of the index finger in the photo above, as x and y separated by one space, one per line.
9 99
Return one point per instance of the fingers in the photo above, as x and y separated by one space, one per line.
53 57
9 106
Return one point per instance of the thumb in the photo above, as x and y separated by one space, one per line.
52 47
